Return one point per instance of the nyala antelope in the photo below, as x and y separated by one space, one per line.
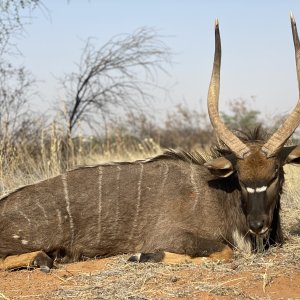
175 207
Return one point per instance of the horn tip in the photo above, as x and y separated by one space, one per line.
216 23
292 17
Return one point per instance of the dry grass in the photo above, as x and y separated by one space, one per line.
122 280
19 166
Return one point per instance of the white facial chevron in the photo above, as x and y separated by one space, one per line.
257 190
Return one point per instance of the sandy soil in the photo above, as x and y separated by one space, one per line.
269 276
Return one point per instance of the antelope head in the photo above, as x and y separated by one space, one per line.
258 166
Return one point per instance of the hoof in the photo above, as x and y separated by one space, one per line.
45 269
147 257
43 261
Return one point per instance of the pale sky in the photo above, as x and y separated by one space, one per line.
258 55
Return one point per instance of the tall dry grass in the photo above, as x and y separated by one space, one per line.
55 153
291 186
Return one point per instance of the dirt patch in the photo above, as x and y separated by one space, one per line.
36 284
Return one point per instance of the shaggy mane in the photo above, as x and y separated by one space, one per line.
192 157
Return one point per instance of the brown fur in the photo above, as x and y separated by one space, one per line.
170 203
264 168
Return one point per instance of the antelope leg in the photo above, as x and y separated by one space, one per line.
32 259
224 255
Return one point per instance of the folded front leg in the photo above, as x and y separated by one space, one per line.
221 253
26 260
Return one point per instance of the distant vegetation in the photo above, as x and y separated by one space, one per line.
106 94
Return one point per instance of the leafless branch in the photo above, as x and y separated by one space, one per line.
13 15
110 77
16 87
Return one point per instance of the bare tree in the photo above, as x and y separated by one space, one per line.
110 77
16 90
16 83
12 18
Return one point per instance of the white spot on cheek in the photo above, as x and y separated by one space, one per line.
250 190
15 236
261 189
257 190
24 242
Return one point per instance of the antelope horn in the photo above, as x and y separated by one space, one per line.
230 140
278 139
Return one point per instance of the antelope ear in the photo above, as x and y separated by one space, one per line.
294 156
220 167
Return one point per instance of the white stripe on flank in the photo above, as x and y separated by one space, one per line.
100 174
117 200
66 192
195 186
165 177
138 203
43 210
59 223
25 216
164 173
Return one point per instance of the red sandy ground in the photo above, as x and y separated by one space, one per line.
277 283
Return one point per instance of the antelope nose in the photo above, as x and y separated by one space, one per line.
256 225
